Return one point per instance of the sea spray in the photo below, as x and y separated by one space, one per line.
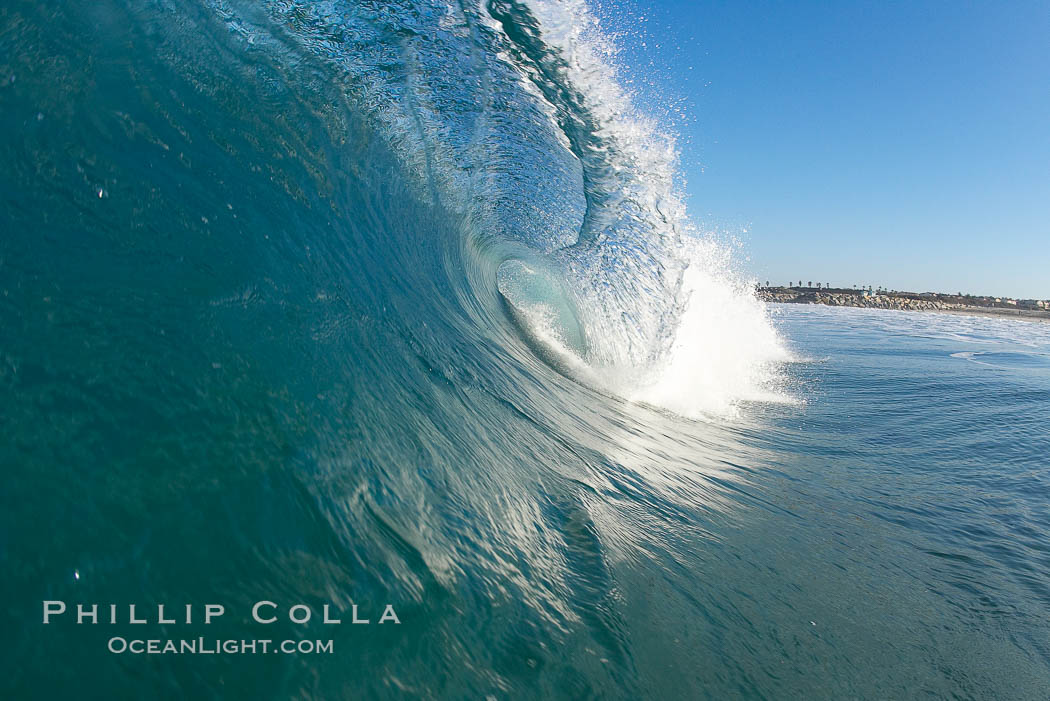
670 321
725 350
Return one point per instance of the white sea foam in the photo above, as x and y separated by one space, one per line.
686 333
725 350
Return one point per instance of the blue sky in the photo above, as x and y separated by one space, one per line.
882 143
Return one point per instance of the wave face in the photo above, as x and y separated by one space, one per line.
367 303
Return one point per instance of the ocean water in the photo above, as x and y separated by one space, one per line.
357 304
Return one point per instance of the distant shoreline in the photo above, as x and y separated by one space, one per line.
901 301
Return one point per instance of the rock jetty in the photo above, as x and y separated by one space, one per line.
904 301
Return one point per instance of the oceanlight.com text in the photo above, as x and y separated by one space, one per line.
212 646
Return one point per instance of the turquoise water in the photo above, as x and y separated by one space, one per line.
255 345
